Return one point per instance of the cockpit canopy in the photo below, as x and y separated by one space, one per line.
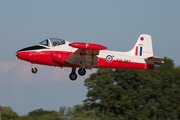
52 42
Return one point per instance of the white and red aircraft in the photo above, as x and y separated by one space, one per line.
58 52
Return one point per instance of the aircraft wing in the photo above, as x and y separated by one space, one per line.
154 60
86 52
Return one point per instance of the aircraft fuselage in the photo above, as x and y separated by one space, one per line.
58 52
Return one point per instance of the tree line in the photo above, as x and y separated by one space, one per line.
120 94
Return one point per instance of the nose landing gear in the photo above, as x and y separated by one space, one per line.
34 69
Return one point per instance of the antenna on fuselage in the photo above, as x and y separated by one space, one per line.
63 69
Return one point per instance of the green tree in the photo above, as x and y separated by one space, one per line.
41 114
7 113
170 90
62 110
135 94
69 112
49 116
25 117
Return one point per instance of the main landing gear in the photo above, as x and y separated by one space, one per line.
34 69
81 72
73 75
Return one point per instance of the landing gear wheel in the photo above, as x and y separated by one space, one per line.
81 71
34 70
73 76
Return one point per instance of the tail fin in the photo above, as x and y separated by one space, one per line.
143 46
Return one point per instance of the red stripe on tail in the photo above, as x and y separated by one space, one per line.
136 53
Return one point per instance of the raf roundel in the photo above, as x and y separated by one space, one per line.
109 58
141 38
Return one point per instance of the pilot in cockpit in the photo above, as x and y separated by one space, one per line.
54 42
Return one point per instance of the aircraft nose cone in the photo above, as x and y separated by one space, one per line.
17 54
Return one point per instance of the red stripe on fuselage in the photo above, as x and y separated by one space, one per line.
46 58
39 57
102 63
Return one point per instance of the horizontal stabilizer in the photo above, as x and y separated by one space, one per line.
154 60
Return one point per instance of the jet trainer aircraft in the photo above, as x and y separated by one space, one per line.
59 52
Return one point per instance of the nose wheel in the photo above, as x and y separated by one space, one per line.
34 69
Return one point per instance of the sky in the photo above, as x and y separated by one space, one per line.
115 24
